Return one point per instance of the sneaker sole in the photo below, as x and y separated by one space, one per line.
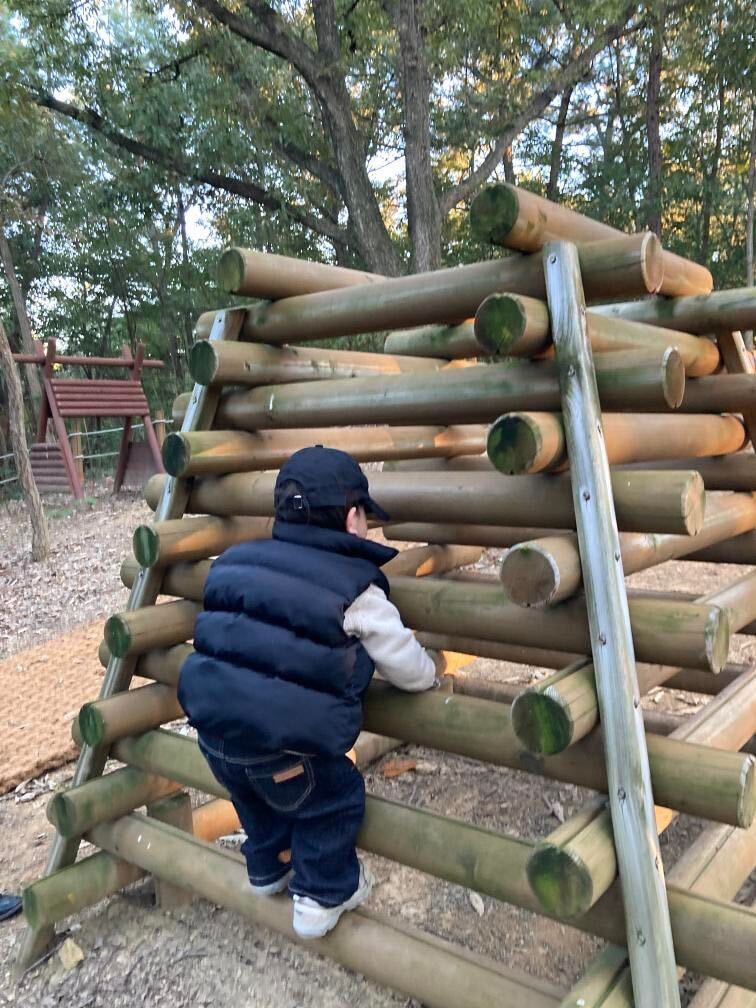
352 903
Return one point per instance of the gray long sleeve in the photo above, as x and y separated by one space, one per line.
397 656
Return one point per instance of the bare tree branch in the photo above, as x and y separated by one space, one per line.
181 166
270 32
563 79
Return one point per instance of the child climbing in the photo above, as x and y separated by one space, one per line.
292 631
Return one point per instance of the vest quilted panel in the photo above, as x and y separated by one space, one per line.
272 667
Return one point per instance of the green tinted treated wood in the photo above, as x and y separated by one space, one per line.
652 955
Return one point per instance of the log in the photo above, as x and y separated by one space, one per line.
137 710
710 936
725 393
575 865
219 362
422 966
472 535
74 811
730 472
546 570
614 267
94 878
505 215
520 327
418 561
163 664
264 275
446 342
716 865
718 994
627 380
525 442
739 550
562 708
667 631
665 502
422 561
652 955
691 778
214 453
183 539
135 631
719 311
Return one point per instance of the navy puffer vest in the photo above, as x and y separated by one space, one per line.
273 669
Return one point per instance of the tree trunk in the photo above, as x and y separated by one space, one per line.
186 316
40 536
552 190
19 303
654 188
627 158
508 166
373 240
422 205
748 336
710 177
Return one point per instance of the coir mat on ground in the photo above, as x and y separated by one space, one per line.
42 690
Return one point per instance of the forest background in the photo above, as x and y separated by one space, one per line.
138 138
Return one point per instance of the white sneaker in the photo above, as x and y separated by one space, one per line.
273 887
311 920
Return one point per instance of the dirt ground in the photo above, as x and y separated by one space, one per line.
205 956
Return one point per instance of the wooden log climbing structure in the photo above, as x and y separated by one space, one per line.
53 464
529 402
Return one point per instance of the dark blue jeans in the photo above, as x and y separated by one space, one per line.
313 805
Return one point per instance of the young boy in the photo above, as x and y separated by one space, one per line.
292 630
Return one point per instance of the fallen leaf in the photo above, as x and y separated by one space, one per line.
395 768
70 954
477 903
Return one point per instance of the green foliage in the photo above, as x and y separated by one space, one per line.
230 143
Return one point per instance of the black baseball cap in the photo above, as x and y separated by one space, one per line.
323 477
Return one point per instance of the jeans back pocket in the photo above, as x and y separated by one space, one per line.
284 784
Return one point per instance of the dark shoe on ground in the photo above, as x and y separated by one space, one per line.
9 906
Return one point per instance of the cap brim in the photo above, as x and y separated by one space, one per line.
374 510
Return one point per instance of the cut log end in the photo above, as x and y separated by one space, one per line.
91 725
652 259
61 814
747 805
674 377
203 362
500 323
717 639
176 455
561 883
117 636
231 270
146 545
521 443
514 443
541 725
493 214
693 504
530 576
32 910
